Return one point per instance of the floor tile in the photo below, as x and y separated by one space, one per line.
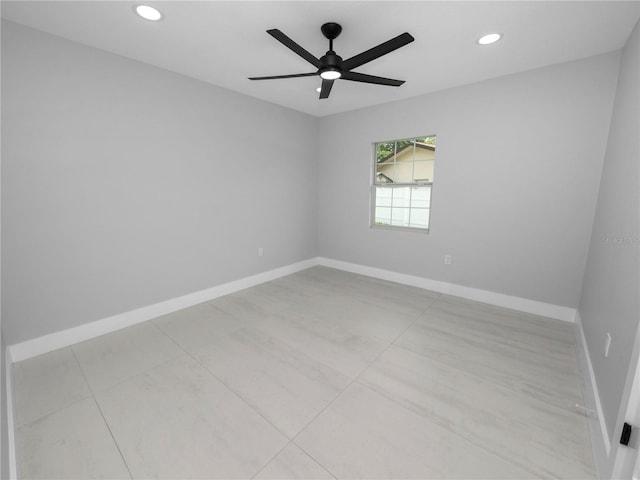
336 347
293 463
364 435
47 383
72 443
352 314
519 428
265 299
177 421
112 358
504 322
330 279
528 337
387 295
562 331
241 308
268 297
285 385
319 374
301 284
497 362
299 289
198 326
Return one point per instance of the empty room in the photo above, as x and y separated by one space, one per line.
320 239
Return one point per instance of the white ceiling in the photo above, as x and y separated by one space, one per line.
225 42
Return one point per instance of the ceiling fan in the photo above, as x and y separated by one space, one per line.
332 67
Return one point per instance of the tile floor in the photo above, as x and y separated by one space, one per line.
321 374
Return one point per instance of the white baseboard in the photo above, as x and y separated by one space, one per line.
47 343
600 442
525 305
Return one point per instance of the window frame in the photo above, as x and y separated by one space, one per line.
375 186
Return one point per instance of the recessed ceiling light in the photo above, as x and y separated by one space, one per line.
489 38
148 13
318 89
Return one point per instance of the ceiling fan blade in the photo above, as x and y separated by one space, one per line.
287 42
375 52
326 88
361 77
295 75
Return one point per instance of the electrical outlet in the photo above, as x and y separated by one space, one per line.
447 259
607 344
260 251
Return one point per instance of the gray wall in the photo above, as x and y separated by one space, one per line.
610 299
4 428
517 169
124 184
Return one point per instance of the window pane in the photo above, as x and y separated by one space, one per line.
423 171
401 196
385 151
403 173
384 173
421 197
383 216
400 217
419 218
383 197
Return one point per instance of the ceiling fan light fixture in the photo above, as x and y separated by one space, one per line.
331 74
148 13
489 38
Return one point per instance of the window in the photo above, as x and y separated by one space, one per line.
402 182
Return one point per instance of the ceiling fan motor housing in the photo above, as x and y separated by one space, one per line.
331 61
